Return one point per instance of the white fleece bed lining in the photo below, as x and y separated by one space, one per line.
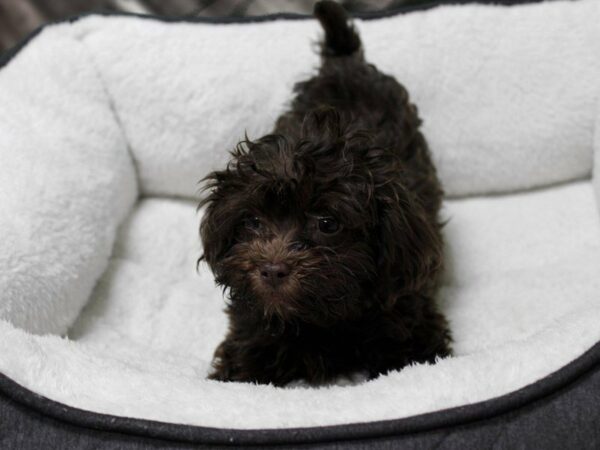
521 287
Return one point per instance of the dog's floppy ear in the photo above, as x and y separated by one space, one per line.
224 209
410 244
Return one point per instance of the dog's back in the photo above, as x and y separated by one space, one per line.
364 99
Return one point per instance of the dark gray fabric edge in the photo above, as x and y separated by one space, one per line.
439 420
567 418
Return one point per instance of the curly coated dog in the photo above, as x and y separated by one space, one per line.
325 234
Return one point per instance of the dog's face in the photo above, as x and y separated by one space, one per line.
316 230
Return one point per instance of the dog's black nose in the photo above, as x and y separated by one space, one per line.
274 273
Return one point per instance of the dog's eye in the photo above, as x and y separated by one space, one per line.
252 223
328 225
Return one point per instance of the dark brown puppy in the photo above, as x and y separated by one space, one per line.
326 233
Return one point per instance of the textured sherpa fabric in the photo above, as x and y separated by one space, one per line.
107 124
186 93
596 145
66 182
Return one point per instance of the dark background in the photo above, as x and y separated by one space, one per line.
20 17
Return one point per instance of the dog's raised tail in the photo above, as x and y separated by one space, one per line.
341 38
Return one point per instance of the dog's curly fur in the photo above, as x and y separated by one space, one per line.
326 232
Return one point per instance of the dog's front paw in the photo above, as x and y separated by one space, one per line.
247 362
231 363
223 365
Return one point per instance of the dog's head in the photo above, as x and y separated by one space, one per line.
318 229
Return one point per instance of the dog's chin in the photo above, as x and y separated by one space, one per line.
277 302
300 307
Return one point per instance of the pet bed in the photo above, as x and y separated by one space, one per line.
107 330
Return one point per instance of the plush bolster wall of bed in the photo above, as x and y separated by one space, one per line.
106 329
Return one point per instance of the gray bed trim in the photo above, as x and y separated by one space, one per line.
563 405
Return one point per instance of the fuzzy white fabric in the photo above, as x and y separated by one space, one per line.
95 113
596 145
